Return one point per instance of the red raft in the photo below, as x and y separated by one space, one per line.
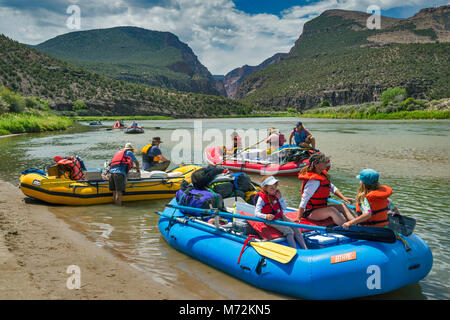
247 163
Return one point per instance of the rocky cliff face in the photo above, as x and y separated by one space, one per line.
234 78
337 58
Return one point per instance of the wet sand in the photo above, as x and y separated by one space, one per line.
36 248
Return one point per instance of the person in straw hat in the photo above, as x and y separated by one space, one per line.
120 165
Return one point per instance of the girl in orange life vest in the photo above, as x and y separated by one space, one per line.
372 203
316 188
270 205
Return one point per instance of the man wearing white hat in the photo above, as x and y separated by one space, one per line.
120 165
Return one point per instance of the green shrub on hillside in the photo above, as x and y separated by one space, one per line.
79 105
392 95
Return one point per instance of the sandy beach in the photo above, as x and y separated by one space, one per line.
36 249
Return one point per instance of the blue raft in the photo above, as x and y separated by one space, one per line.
334 267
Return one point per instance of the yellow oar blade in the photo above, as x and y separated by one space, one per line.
274 251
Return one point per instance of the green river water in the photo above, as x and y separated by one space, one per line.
411 156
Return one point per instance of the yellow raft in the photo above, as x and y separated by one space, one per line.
69 192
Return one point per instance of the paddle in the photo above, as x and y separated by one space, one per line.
398 223
354 232
274 251
402 224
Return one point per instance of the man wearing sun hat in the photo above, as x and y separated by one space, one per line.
152 158
120 165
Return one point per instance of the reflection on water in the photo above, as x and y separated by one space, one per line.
412 157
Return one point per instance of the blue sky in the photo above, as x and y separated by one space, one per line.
224 34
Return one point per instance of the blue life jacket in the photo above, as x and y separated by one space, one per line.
299 137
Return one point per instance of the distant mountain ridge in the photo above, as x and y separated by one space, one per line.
32 73
337 58
234 78
136 55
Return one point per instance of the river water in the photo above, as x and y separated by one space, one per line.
411 156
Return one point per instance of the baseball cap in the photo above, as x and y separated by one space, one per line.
368 176
269 181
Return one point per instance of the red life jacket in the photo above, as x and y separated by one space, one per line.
120 158
271 205
378 200
320 197
74 166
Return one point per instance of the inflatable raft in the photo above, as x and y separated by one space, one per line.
334 267
162 185
134 130
253 161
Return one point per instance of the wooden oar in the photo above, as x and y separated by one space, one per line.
274 251
354 232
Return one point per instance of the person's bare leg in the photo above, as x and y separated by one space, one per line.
299 237
119 198
327 212
342 208
313 142
291 241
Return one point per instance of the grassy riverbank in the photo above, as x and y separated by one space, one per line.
20 114
23 123
403 115
398 110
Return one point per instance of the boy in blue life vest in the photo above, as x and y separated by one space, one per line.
302 137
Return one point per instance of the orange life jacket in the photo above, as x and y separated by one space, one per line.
120 158
74 166
271 205
378 200
320 197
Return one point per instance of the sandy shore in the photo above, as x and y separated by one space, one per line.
36 249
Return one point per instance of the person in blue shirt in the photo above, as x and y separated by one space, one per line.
120 165
152 158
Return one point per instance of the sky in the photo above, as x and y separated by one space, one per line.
224 34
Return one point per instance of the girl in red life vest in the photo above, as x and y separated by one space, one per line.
316 189
270 205
372 203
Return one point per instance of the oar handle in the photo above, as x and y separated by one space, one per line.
340 202
238 216
356 232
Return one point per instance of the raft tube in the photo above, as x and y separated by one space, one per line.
69 192
134 130
340 269
214 155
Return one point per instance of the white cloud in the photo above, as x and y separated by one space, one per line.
221 36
